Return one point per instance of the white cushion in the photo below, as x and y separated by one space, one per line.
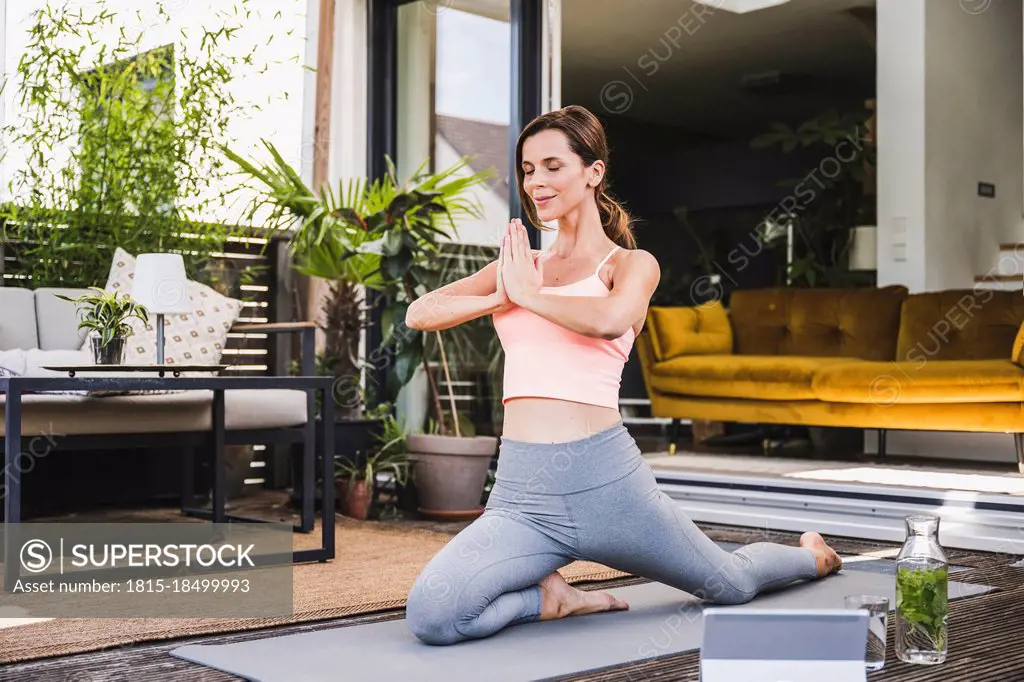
30 363
12 363
196 338
18 321
58 319
36 359
185 411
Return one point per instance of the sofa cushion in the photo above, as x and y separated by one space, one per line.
961 324
17 319
63 415
57 320
196 338
1017 354
948 381
857 323
690 330
764 377
12 363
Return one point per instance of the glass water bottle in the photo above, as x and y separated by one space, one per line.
922 594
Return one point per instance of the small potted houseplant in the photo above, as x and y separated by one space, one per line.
106 316
356 479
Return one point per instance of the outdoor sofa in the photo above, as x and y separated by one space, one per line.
44 328
38 321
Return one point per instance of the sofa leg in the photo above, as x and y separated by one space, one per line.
881 442
673 436
1018 444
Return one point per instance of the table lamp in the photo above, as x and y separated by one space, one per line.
161 286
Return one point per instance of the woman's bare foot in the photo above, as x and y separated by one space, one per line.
559 599
828 560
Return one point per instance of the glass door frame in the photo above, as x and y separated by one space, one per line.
526 19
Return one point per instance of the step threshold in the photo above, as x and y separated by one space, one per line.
980 521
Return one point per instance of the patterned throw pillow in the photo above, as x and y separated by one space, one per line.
196 338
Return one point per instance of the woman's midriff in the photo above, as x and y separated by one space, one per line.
546 420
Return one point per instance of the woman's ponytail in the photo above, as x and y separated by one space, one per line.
617 222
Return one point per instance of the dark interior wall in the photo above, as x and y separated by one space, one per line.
659 167
727 186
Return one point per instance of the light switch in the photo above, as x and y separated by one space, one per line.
898 239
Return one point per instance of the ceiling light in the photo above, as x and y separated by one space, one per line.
741 6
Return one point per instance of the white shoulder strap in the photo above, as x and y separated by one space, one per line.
605 259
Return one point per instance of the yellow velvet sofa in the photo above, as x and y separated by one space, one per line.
877 358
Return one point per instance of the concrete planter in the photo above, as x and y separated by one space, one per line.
450 473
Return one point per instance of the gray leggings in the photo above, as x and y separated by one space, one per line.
593 499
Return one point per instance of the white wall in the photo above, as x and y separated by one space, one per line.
950 114
974 132
901 142
278 92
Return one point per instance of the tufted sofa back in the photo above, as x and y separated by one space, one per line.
962 324
858 323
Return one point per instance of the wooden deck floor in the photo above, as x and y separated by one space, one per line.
985 634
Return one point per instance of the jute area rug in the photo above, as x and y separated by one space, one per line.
374 569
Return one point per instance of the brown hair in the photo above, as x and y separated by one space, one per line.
586 140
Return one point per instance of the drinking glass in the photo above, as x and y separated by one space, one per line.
878 608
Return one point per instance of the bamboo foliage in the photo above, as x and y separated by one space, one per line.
120 142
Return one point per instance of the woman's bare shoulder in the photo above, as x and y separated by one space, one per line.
641 260
636 263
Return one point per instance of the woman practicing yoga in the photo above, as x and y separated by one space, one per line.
571 483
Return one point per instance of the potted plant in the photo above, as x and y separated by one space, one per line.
380 235
356 479
451 465
321 245
106 314
822 230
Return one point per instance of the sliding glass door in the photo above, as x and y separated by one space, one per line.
453 78
454 83
449 79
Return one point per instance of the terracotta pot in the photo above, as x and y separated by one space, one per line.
356 503
450 473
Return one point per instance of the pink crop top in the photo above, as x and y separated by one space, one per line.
545 360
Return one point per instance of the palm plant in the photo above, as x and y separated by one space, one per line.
383 235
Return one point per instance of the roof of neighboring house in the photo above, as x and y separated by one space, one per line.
487 142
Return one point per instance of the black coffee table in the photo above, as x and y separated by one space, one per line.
316 432
161 370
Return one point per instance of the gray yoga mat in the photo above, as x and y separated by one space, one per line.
661 620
